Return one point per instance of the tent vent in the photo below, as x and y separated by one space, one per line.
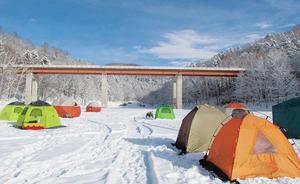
239 113
263 145
166 110
36 112
18 110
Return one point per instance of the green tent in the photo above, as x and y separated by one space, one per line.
164 112
39 110
12 111
287 116
199 127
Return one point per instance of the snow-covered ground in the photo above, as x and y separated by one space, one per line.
116 145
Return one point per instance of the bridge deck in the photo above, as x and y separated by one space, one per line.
128 70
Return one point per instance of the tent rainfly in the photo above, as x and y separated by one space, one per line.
287 116
93 107
165 112
37 115
198 128
229 108
66 106
12 111
250 147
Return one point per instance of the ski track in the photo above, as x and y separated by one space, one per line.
103 153
150 172
142 129
113 146
21 160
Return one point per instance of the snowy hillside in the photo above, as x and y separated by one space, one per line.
116 145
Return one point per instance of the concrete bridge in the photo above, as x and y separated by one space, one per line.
176 72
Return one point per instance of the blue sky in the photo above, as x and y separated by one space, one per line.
146 32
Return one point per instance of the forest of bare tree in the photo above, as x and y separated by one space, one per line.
272 75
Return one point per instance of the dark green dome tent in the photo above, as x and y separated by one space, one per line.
287 116
165 112
12 111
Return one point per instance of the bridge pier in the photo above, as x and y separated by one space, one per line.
177 73
104 91
30 88
177 91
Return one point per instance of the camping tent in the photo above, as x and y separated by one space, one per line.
39 110
229 108
165 112
93 107
12 110
66 106
252 147
287 115
198 127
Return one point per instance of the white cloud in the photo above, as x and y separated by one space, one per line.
32 20
287 25
180 63
186 44
263 25
188 37
254 36
98 54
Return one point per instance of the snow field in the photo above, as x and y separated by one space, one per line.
116 145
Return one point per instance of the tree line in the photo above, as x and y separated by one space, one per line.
273 65
272 75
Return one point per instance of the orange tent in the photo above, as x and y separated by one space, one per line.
66 106
93 107
235 106
229 108
252 147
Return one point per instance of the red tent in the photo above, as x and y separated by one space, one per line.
235 106
66 106
93 107
229 108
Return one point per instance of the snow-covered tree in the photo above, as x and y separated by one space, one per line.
271 80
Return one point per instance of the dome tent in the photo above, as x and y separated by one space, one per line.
249 147
93 107
165 112
66 106
198 128
38 110
12 111
229 108
287 115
